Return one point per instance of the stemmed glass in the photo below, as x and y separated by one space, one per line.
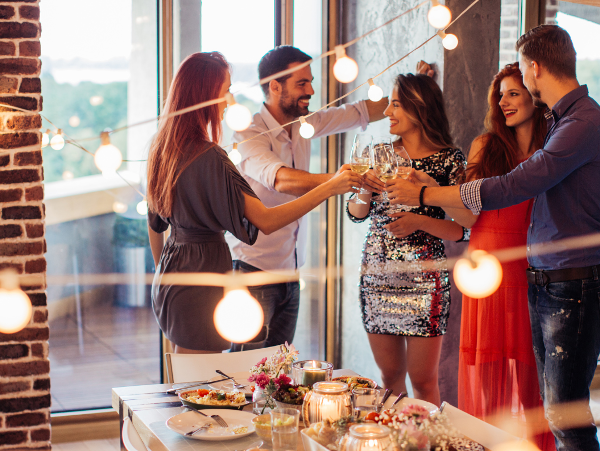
360 160
404 162
385 164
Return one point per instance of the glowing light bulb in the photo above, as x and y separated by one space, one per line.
107 158
439 16
235 156
57 142
74 121
238 316
45 138
238 117
479 276
96 100
68 175
375 92
449 41
306 130
15 306
345 68
142 207
119 207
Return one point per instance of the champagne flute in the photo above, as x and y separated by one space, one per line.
360 160
385 164
403 166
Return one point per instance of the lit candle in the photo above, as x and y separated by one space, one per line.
329 409
313 374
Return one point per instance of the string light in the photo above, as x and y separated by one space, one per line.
345 68
238 316
238 117
439 16
375 92
119 207
74 121
479 275
142 207
57 142
107 158
68 175
235 156
15 305
306 130
449 41
46 138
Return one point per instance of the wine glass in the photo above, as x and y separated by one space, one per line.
403 166
360 160
385 164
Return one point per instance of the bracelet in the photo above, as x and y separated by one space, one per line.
421 196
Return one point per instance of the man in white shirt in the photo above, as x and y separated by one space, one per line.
276 166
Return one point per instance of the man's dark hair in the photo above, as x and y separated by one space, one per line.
551 47
277 60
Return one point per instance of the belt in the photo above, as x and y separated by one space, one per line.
544 277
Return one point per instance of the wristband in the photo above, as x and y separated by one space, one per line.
421 196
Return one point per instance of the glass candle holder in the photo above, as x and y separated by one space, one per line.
327 400
367 437
308 372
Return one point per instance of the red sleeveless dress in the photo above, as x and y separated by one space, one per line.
497 376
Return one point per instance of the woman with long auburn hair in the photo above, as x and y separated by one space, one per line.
195 189
405 307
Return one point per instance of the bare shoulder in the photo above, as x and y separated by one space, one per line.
476 146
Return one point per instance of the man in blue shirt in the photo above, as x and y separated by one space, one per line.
564 180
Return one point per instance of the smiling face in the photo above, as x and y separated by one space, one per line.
296 92
515 102
224 89
400 123
529 81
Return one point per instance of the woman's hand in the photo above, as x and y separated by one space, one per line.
406 223
421 178
372 183
345 180
425 69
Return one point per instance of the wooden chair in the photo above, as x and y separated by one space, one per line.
197 367
131 438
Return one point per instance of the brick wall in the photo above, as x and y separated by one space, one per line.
24 364
509 31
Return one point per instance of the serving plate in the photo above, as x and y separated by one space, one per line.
189 421
194 405
241 378
371 382
408 401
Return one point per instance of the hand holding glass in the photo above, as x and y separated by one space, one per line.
360 160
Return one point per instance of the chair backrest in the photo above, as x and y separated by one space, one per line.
131 438
197 367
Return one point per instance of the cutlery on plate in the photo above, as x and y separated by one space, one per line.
386 395
172 391
399 398
204 426
235 384
220 421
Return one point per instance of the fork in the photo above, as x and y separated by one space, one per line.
235 384
219 420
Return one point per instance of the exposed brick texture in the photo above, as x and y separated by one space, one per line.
4 160
24 122
8 85
6 11
40 435
29 12
32 85
18 267
35 266
34 230
37 299
26 403
10 231
18 30
19 66
26 419
24 368
13 351
14 140
28 158
12 437
29 48
27 334
7 48
19 176
21 213
36 192
25 103
40 316
42 384
14 387
22 248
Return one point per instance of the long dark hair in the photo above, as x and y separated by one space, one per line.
199 78
500 151
422 101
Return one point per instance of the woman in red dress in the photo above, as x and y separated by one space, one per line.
497 378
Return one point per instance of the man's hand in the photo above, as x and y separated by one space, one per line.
372 183
403 192
421 178
406 223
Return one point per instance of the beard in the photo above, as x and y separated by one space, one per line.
290 106
536 96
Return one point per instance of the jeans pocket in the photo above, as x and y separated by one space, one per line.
568 291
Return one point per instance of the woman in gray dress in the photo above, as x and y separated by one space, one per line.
195 189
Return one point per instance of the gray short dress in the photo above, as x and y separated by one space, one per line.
208 201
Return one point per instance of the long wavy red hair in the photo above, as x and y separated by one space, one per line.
199 78
500 151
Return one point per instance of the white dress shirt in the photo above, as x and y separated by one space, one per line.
261 159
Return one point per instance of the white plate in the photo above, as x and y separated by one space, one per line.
188 421
240 378
407 401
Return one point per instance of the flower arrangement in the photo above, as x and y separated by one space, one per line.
269 373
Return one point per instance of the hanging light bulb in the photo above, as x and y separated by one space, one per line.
57 142
238 316
107 158
235 156
449 41
479 275
142 207
238 117
46 138
119 207
15 306
439 16
375 92
306 130
345 68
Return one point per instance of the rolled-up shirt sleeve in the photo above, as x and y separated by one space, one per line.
340 119
259 161
470 194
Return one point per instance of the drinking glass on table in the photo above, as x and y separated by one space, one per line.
284 429
364 401
385 164
360 160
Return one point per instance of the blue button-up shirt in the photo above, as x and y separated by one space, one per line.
564 180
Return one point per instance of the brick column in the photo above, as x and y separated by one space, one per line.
24 364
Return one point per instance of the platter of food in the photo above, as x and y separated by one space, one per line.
240 378
213 399
356 382
239 425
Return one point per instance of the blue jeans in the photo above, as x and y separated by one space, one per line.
565 325
280 303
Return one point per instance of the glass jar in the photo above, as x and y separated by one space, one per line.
308 372
263 403
367 437
327 400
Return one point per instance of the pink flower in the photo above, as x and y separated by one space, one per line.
262 380
252 378
415 411
282 380
262 362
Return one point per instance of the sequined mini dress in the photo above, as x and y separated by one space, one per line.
404 287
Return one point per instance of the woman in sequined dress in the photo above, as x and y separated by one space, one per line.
405 305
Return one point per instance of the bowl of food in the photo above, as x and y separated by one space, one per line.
262 426
213 399
356 382
290 397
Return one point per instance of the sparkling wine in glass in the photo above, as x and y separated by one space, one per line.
404 162
360 160
384 163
